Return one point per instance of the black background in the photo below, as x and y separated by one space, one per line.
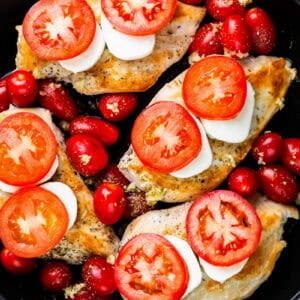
284 282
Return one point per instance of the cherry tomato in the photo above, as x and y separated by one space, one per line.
106 132
117 107
244 181
58 30
160 271
56 98
278 183
136 205
215 88
98 276
263 30
139 18
113 173
291 154
28 149
55 276
236 36
27 219
15 264
4 98
22 88
165 136
223 228
109 202
86 153
267 148
207 40
192 2
220 9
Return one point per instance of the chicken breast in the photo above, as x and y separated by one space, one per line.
111 74
270 77
88 236
273 216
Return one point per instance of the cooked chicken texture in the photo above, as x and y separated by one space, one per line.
111 74
270 77
273 216
88 236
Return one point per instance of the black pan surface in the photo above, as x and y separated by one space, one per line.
284 283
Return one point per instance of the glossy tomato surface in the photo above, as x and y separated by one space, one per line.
283 283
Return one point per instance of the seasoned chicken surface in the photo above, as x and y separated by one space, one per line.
270 77
273 216
111 74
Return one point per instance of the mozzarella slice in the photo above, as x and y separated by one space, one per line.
201 162
190 259
124 46
235 130
89 57
8 188
221 274
66 195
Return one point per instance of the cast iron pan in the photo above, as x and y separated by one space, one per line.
284 283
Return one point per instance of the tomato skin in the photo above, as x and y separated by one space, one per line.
117 106
4 98
38 209
28 132
86 153
263 30
55 276
223 211
106 132
291 154
198 88
207 40
220 9
158 259
22 88
135 18
278 183
244 181
15 264
61 43
109 202
56 98
267 148
112 173
192 2
98 276
236 36
156 126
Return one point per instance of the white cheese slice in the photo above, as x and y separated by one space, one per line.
67 197
124 46
89 57
190 259
201 162
221 274
234 130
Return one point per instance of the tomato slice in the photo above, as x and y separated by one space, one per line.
215 88
165 136
33 221
28 149
223 228
148 266
60 29
142 17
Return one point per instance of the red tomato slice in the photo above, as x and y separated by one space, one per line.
139 17
58 30
28 148
215 88
33 221
165 137
223 228
149 267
